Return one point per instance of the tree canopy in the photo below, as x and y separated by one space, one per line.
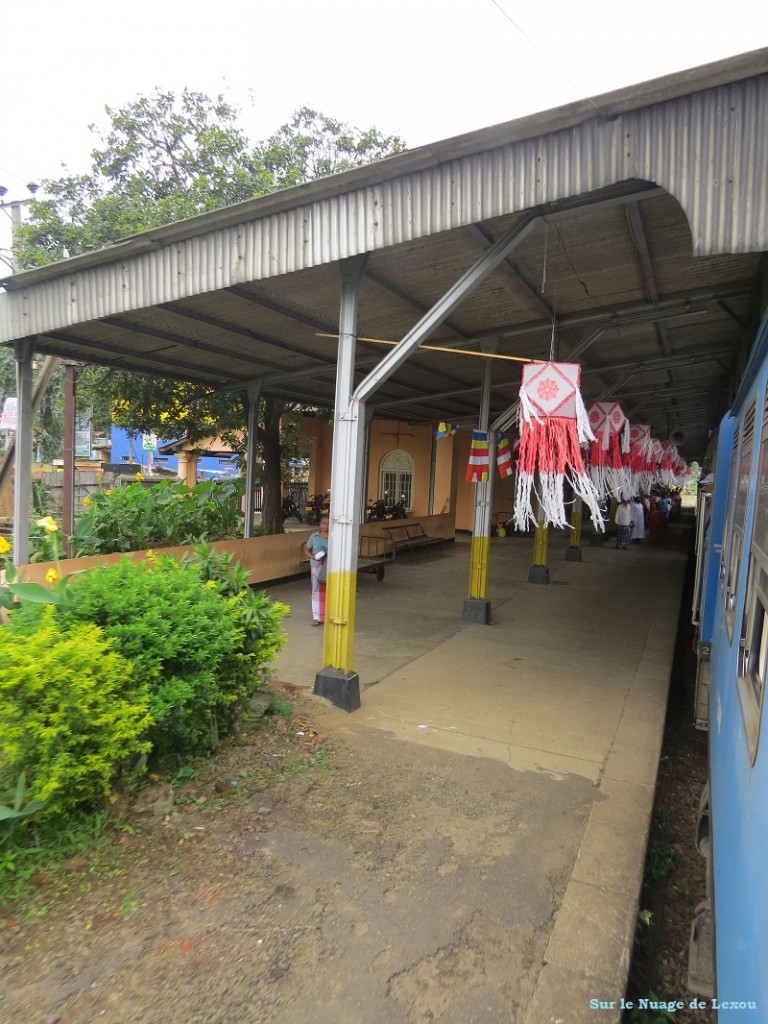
164 158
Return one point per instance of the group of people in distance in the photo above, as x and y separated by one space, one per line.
644 514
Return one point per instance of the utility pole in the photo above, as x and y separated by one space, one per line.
13 209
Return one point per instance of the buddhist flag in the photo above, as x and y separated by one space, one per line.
446 430
478 468
504 458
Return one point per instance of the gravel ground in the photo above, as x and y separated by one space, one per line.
675 872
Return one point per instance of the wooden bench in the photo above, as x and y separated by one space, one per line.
410 536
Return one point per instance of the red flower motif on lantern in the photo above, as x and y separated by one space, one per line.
547 389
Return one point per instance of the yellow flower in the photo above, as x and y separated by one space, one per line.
86 502
109 491
151 556
99 472
51 576
48 524
5 547
139 476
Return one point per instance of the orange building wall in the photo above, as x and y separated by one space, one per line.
452 494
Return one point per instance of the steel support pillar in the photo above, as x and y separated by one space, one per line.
337 681
539 571
68 491
254 395
22 484
477 607
573 551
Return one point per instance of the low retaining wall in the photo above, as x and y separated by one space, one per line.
265 558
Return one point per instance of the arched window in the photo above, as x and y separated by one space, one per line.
396 477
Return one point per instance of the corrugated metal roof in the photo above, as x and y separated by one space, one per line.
242 292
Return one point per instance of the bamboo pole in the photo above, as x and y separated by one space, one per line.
438 348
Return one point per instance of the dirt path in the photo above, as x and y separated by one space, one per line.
347 878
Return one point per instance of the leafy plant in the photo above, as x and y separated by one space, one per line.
280 709
71 709
140 516
661 860
15 812
57 591
197 649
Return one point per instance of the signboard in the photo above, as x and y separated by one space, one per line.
149 442
8 415
83 435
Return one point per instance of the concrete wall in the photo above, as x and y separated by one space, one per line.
265 558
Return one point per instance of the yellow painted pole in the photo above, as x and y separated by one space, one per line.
339 631
478 567
540 544
539 571
573 554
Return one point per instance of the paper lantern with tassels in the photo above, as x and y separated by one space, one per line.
606 453
667 462
639 462
553 423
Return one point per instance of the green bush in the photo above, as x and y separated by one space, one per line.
260 617
186 641
71 710
141 516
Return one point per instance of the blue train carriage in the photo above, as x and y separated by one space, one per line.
733 825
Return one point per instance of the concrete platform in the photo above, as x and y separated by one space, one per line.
569 681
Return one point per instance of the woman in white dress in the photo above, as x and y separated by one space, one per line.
638 520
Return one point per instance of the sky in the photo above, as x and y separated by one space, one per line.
422 69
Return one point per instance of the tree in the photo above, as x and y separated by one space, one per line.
312 145
165 158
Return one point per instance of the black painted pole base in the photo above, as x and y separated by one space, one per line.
340 688
573 554
538 574
476 609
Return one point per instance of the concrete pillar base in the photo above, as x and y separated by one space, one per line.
573 554
476 610
340 688
538 574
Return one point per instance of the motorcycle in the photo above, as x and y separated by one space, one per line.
381 511
317 506
290 510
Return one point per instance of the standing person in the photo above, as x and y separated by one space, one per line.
623 524
638 520
655 523
316 550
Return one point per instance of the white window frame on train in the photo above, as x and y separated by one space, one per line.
741 466
753 660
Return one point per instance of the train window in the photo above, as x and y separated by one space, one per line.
733 467
754 663
753 666
736 537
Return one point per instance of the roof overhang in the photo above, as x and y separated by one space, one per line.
646 265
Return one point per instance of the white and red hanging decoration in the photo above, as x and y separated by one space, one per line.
607 452
553 424
668 464
640 463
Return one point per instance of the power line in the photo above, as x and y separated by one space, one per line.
546 56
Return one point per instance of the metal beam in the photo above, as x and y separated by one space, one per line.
22 483
445 306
